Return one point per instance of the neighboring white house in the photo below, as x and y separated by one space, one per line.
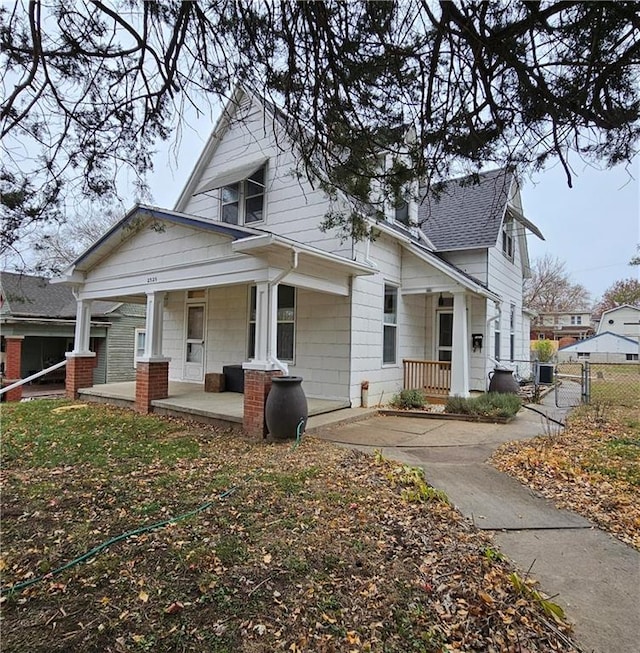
623 320
604 347
240 273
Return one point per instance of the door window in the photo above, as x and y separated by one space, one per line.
445 336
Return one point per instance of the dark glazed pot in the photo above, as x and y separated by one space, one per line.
503 381
286 407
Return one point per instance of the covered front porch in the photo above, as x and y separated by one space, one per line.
190 401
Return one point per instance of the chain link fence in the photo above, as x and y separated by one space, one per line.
574 383
615 384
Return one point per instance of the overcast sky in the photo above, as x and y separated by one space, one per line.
593 227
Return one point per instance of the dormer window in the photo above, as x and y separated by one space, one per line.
402 213
243 202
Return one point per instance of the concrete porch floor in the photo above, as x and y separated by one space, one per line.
222 408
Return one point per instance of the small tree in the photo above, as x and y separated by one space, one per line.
544 350
624 291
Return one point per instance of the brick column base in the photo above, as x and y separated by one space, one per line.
152 382
257 384
13 367
79 374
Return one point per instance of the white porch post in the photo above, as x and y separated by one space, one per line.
263 318
272 347
153 339
83 327
460 346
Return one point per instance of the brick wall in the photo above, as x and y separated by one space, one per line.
13 364
152 382
257 384
79 374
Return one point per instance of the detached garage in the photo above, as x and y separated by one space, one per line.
605 347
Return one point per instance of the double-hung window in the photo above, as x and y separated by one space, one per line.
243 202
507 239
390 325
286 323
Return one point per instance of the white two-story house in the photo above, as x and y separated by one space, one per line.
240 274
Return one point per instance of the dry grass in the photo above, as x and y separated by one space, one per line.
592 468
316 548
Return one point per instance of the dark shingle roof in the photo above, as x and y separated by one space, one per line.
467 212
31 296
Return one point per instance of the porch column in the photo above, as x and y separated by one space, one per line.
83 327
460 347
80 361
152 370
262 322
259 371
13 366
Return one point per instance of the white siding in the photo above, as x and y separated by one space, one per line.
322 344
471 261
293 207
614 321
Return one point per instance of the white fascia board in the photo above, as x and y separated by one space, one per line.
255 243
69 276
331 286
203 274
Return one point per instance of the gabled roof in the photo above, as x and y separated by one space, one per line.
617 308
33 296
600 335
467 213
140 212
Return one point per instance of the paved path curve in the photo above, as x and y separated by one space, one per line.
593 576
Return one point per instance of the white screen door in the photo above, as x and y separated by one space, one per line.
194 349
445 336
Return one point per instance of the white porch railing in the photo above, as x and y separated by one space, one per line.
37 375
434 377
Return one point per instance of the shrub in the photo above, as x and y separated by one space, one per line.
409 399
544 350
493 404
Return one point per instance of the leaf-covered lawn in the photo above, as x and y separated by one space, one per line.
316 549
593 468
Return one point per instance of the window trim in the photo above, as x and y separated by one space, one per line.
252 309
390 325
508 243
292 321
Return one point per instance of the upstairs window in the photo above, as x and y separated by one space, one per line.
507 239
243 202
402 213
576 319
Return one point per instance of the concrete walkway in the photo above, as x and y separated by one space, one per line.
593 576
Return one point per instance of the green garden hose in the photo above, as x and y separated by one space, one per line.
18 587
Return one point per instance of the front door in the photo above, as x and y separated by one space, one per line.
195 345
445 336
